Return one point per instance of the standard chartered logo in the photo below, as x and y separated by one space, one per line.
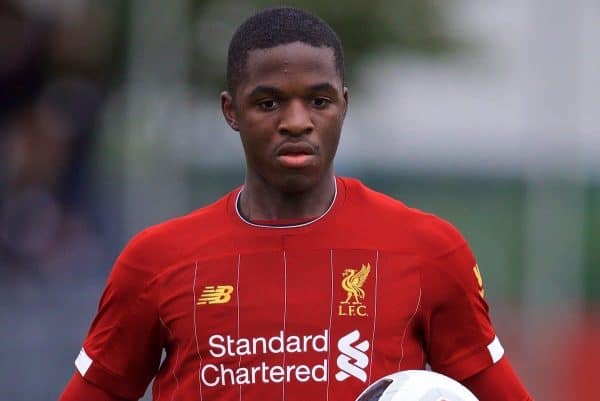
352 361
227 347
222 369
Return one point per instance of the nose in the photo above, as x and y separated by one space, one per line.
296 119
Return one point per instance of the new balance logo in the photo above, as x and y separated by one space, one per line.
352 361
215 295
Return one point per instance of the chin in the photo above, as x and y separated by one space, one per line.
296 183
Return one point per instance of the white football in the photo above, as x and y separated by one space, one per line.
416 385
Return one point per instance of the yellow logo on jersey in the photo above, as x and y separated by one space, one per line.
479 280
215 295
352 282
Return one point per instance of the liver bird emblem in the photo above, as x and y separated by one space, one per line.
353 281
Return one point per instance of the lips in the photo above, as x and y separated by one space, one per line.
299 148
296 155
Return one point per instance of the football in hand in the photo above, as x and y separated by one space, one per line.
416 385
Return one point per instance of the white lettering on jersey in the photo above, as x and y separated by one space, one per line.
231 346
221 374
217 349
352 361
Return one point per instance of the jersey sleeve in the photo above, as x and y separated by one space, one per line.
498 382
122 350
460 339
78 389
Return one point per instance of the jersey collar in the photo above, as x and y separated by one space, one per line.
303 224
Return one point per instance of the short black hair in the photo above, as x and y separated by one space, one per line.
278 26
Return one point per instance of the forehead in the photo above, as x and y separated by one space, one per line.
292 63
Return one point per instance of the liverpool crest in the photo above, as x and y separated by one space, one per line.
352 282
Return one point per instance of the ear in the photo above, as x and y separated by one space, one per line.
229 112
346 96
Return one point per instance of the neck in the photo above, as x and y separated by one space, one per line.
264 202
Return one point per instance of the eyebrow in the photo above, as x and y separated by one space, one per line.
265 90
325 86
271 90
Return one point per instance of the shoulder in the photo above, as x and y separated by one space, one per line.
176 239
420 230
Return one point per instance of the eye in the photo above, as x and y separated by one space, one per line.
268 104
320 102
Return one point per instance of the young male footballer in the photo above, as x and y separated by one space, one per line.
300 285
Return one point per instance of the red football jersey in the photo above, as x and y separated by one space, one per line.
313 311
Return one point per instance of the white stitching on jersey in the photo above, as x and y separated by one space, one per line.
195 330
284 314
330 320
374 313
237 295
406 327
